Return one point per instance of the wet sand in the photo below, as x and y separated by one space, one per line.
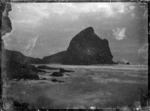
99 86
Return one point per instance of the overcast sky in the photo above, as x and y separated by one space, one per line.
42 29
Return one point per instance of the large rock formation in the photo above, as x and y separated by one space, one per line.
87 48
84 49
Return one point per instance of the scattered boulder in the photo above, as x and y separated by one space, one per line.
123 61
55 80
57 74
60 73
62 70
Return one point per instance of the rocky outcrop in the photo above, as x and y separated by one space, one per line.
61 72
87 48
16 70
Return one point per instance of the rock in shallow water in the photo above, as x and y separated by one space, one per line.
57 74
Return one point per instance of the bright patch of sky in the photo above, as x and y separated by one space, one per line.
119 33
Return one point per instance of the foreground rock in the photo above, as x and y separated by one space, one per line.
15 67
16 70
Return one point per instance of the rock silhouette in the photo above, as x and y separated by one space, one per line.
87 48
62 70
60 73
55 80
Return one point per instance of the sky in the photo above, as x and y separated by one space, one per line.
42 29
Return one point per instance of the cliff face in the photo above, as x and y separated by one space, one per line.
87 48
